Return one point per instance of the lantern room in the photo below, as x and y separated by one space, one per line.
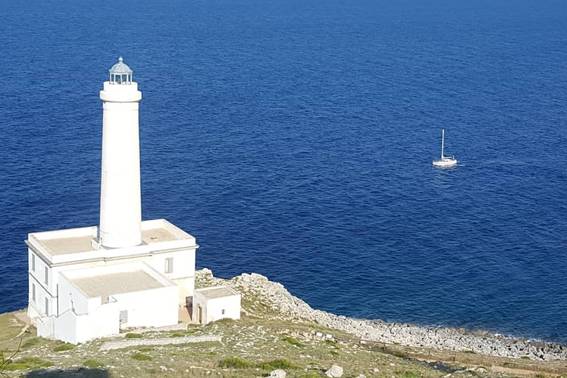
120 73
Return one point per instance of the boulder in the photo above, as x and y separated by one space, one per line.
335 371
278 373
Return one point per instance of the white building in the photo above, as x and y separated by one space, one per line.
215 303
92 282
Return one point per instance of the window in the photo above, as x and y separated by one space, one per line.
169 265
33 292
104 299
222 311
46 307
46 276
33 262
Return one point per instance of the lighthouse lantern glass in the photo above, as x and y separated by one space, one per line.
120 73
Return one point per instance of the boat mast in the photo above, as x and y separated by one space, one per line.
442 143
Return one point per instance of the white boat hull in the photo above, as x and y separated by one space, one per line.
445 163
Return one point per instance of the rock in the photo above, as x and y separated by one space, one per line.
361 376
335 371
278 373
278 298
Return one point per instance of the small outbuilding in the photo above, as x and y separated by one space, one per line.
215 303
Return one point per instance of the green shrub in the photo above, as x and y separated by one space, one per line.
279 363
225 321
33 341
140 357
63 347
410 374
145 349
292 341
331 342
27 363
311 374
132 335
235 363
93 364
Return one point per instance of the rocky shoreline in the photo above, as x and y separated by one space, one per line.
288 306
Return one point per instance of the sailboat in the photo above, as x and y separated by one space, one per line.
445 161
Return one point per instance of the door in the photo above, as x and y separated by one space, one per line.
123 318
200 314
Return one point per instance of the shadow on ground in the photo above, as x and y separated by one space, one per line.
70 373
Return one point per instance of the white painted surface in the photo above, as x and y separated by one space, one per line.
213 309
120 197
84 318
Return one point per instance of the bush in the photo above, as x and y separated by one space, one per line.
33 341
293 341
224 321
240 363
140 357
132 335
93 364
27 363
235 363
279 363
410 374
311 374
63 347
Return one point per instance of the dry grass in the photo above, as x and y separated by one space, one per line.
257 344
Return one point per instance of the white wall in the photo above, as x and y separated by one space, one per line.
149 308
230 305
71 298
183 263
212 309
37 278
76 329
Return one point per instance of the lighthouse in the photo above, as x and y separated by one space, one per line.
120 195
125 273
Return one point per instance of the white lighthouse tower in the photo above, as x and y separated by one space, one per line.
120 197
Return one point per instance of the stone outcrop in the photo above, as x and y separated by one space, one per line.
287 306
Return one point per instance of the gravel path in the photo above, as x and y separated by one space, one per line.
111 345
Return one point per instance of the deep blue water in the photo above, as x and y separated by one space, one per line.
294 138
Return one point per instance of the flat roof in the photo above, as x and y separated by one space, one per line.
116 283
217 292
80 240
65 245
157 234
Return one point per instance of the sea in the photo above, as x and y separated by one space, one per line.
294 138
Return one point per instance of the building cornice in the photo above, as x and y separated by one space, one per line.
51 264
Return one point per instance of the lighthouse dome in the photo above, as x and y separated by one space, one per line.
120 73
